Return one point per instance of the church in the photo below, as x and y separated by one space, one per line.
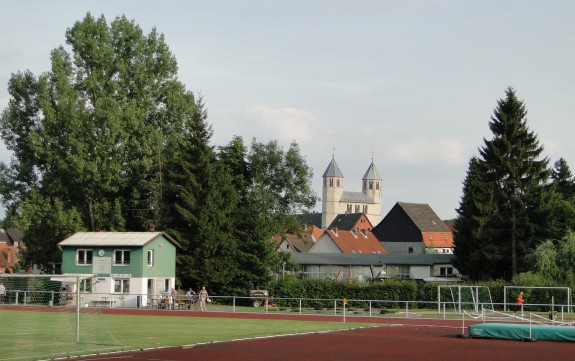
337 201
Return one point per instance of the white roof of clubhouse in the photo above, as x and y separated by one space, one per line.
123 239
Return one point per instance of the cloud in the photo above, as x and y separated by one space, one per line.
284 123
425 150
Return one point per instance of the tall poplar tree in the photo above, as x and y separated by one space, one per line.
508 194
90 136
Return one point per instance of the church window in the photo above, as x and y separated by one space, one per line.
357 208
365 209
349 208
377 185
331 182
370 184
338 182
364 185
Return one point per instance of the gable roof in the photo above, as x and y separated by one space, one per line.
349 221
423 217
300 244
355 197
309 219
121 239
355 242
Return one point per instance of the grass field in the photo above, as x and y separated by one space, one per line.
47 335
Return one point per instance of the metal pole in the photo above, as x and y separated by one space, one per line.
78 309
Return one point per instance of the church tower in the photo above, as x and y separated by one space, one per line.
332 193
336 201
372 185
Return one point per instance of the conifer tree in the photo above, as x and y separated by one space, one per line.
563 179
509 196
204 199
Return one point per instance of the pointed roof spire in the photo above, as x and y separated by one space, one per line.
372 172
332 169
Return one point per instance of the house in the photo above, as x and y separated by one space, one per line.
414 228
354 241
368 267
299 243
10 245
351 221
132 266
337 201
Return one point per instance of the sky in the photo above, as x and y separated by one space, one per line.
410 84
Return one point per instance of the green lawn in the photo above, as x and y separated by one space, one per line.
42 335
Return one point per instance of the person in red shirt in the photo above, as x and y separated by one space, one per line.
519 302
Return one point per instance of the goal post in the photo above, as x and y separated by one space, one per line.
48 318
461 296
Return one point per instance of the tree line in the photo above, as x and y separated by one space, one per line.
110 140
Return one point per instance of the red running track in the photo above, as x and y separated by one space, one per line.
406 339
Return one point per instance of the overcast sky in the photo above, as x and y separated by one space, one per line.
413 83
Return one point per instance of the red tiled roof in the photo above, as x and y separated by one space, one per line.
316 232
356 241
437 239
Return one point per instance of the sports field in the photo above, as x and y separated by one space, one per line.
45 335
189 335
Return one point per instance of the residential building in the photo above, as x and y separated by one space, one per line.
376 266
133 267
414 228
10 245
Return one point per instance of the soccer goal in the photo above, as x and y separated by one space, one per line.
463 297
42 318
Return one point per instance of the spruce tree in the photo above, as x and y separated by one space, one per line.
509 196
204 199
563 179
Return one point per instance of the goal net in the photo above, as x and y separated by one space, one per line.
461 298
42 319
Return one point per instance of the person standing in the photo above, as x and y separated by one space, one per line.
2 293
203 298
190 297
173 298
520 302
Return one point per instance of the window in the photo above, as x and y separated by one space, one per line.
331 182
86 285
338 182
370 184
377 185
410 250
122 285
445 271
121 257
84 257
150 257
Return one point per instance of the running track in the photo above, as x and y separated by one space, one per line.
404 339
